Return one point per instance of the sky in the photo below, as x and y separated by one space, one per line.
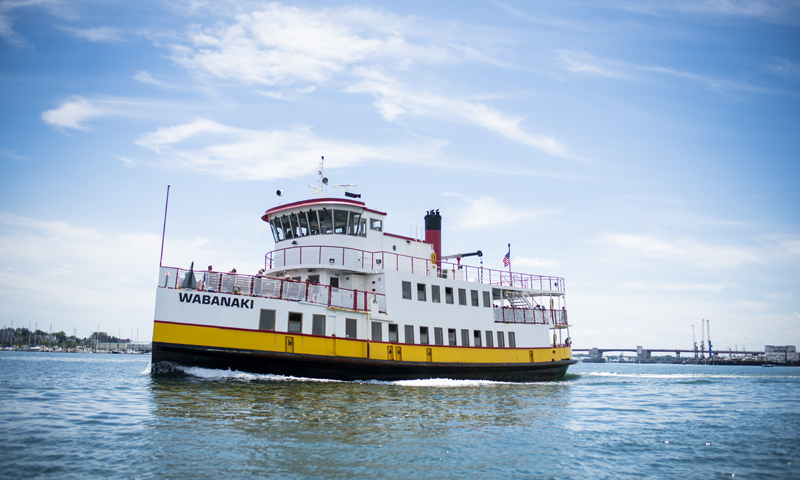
645 151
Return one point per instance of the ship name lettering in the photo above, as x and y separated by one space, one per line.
215 300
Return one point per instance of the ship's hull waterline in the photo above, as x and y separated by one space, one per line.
165 356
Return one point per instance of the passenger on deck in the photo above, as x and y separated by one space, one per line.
233 271
260 273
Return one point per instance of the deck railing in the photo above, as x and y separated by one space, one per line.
538 316
372 261
270 287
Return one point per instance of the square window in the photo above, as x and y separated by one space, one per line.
438 336
435 294
393 333
464 338
313 279
407 290
451 336
512 341
489 339
474 296
377 332
421 292
375 224
476 338
423 335
448 295
295 322
409 333
501 341
487 299
318 325
462 296
350 328
267 320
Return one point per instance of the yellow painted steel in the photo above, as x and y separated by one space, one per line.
197 335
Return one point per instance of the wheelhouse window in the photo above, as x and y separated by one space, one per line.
462 296
448 295
352 223
423 335
407 290
325 221
287 227
313 222
340 221
421 292
409 331
375 224
464 338
451 336
487 299
362 227
474 296
295 322
489 339
318 325
393 333
295 225
275 230
303 222
435 294
438 336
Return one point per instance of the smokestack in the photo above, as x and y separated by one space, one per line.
433 233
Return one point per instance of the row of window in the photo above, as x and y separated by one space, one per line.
422 295
475 339
321 221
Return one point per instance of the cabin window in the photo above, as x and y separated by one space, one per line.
448 295
340 221
318 325
462 296
489 339
295 225
352 223
375 224
451 336
266 320
501 341
295 322
362 227
313 223
476 338
287 228
377 333
325 221
512 341
274 230
438 336
407 290
435 294
350 328
278 229
464 338
423 335
313 279
393 333
409 333
421 292
303 222
474 295
487 299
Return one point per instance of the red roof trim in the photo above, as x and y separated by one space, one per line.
404 238
315 201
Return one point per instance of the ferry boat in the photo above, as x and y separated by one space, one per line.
342 298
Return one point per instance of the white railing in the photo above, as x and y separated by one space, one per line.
538 316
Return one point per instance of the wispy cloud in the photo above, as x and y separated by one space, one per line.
96 34
77 112
232 153
74 113
771 11
581 62
483 211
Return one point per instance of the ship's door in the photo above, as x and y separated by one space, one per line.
289 344
359 283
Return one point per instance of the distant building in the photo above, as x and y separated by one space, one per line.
781 354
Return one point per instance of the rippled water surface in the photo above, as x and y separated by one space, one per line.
84 415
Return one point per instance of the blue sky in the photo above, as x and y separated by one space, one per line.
645 151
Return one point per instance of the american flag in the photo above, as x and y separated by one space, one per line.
507 259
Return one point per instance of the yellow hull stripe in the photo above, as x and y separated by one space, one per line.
203 336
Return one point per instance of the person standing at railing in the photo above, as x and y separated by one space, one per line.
207 279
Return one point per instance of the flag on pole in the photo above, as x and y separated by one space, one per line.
507 259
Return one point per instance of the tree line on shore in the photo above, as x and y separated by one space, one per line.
19 337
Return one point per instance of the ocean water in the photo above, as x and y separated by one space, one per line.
97 416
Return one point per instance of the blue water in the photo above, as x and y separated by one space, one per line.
93 416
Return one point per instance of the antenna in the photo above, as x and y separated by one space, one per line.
321 190
694 342
345 187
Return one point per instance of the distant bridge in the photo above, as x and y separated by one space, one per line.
643 354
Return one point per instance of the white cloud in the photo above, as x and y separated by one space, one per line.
74 113
395 99
483 212
208 147
97 34
534 262
772 11
583 63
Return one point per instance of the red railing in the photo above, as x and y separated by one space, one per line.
539 316
371 261
269 287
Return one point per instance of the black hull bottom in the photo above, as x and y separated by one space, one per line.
343 368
